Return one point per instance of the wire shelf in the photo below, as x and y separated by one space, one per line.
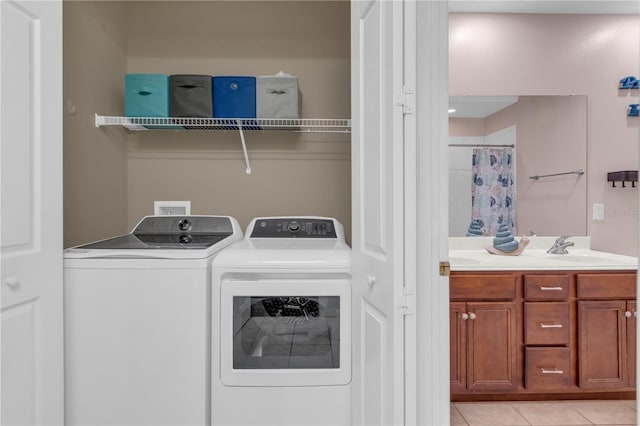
248 124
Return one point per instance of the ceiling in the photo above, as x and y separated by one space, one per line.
478 106
545 6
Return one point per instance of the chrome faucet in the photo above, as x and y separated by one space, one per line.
560 246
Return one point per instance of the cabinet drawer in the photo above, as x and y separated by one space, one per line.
546 287
546 323
482 287
547 368
606 286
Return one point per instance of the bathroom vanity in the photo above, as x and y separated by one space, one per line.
541 326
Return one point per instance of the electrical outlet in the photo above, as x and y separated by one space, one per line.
172 208
598 212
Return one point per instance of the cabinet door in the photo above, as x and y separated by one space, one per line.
491 346
602 336
631 342
458 346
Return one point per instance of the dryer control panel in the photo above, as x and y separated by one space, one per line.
293 228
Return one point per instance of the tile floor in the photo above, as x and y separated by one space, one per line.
549 413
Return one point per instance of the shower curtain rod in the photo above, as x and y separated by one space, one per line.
478 145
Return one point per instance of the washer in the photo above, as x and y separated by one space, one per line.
137 323
281 352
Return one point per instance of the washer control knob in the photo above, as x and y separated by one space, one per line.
294 226
185 239
184 224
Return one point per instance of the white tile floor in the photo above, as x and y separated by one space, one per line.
548 413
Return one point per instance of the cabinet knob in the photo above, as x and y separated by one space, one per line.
472 316
12 282
464 316
628 314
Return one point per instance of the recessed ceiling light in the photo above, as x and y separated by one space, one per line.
452 110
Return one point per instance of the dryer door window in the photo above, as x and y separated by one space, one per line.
286 332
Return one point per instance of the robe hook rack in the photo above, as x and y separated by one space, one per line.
623 176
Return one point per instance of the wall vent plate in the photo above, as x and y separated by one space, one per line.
172 208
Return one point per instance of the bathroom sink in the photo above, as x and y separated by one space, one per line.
591 257
463 260
470 254
583 258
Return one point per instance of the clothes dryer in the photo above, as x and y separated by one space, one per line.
138 320
281 346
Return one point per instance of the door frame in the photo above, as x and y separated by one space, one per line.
430 218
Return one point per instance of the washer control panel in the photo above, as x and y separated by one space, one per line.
154 225
293 228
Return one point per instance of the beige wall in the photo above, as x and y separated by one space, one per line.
530 54
95 160
293 173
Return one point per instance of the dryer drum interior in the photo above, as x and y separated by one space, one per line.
287 329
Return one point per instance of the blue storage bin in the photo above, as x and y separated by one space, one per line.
234 97
146 95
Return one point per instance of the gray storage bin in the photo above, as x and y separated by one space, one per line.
277 97
191 95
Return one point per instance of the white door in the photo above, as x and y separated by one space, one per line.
31 239
378 228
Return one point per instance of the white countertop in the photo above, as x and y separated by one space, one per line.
469 254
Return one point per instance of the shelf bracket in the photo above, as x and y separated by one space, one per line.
244 148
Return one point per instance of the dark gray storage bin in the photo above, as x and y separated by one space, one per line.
191 95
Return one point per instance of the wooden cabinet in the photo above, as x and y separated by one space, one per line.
554 334
548 368
483 334
631 342
458 346
606 330
547 339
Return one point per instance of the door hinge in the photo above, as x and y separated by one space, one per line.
407 301
445 268
407 100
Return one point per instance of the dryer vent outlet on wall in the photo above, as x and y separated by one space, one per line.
172 208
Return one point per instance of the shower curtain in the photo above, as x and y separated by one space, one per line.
493 188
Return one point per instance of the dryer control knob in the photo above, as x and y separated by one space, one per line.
294 226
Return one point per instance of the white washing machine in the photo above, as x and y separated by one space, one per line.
281 346
138 323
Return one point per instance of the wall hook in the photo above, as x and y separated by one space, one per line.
623 176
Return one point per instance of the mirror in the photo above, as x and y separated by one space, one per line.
549 139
